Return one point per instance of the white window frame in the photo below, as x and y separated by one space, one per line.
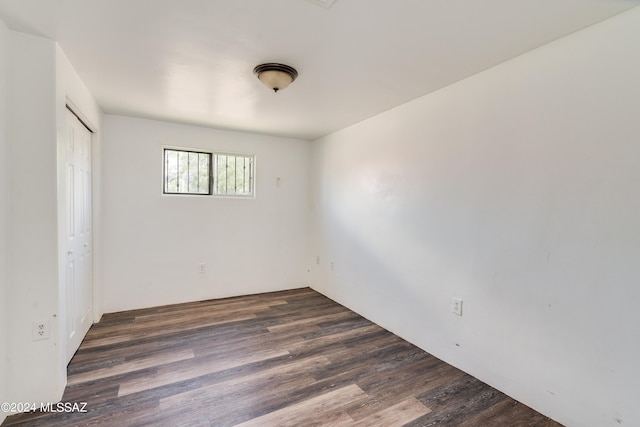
165 172
213 173
251 177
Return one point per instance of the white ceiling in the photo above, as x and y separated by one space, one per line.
191 61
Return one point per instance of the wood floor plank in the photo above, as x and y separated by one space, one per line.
260 394
311 342
459 400
276 359
85 358
172 374
205 310
397 415
316 321
130 366
508 412
144 331
265 376
392 386
315 411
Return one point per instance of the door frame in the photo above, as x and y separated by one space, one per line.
63 313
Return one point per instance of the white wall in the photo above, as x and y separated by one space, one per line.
32 237
39 81
4 325
517 191
153 244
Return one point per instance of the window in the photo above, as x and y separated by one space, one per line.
200 173
233 175
187 172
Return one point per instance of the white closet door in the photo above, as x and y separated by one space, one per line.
78 266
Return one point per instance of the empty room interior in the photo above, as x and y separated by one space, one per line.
456 178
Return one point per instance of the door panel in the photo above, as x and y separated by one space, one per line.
78 234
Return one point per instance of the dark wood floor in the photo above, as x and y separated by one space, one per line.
292 358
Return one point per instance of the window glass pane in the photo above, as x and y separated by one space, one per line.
221 174
171 172
186 172
183 172
192 173
203 174
234 175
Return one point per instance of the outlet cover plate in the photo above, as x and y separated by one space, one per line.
40 330
456 306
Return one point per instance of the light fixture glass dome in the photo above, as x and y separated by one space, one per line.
275 76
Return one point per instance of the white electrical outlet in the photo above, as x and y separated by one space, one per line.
331 265
456 306
40 330
318 259
202 268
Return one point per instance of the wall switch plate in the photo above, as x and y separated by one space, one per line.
456 306
40 330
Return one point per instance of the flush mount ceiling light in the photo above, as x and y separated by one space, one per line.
324 3
275 76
